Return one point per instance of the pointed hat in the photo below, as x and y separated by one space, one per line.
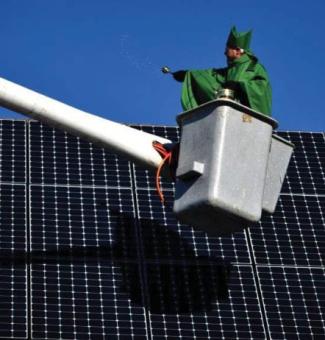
239 39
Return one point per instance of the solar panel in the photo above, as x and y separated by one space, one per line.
294 235
306 169
59 159
13 261
88 251
12 151
294 301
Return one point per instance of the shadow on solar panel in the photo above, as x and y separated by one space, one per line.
175 283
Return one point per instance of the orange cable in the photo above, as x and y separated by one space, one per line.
166 155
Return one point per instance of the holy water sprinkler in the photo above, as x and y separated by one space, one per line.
165 70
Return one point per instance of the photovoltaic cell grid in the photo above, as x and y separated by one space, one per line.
306 174
294 300
13 266
84 251
294 235
163 237
96 255
12 151
60 159
13 261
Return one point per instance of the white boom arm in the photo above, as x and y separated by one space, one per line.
131 143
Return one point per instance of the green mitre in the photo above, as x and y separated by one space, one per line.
239 39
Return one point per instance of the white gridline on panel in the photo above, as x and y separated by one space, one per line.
305 164
286 303
150 205
291 229
308 163
14 142
302 164
146 178
89 160
115 313
15 298
321 159
83 212
201 243
86 194
13 195
13 266
222 319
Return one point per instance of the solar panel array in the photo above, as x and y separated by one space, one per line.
87 251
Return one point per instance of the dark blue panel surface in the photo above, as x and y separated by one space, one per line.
294 234
306 169
81 217
219 312
59 158
13 261
85 297
96 255
12 151
13 297
294 300
85 272
164 237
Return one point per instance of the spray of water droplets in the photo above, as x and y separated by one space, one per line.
130 52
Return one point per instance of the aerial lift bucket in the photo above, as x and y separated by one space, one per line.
223 164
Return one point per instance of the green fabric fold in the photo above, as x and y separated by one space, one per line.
245 75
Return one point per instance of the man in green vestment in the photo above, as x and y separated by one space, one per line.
244 75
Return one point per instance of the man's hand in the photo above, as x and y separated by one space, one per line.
179 75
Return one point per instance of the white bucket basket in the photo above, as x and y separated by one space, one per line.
222 171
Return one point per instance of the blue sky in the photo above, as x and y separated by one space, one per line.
104 56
